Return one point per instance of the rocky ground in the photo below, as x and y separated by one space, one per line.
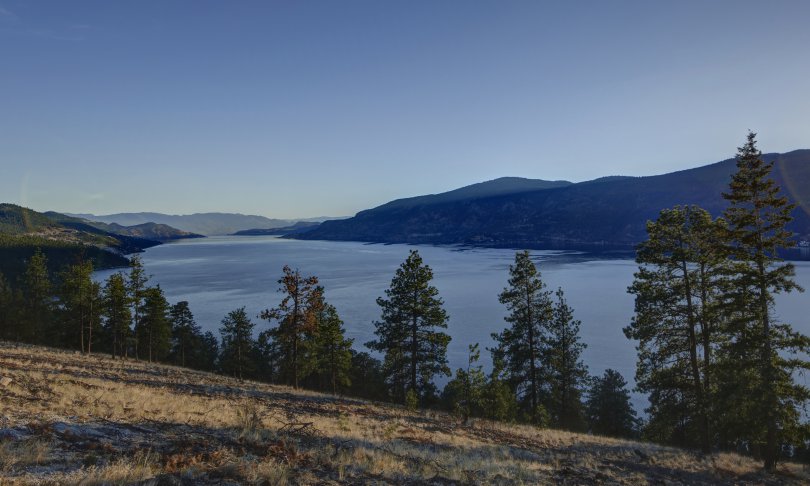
72 419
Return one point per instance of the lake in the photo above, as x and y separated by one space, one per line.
219 274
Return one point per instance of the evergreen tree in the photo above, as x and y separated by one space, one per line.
237 344
366 377
8 308
765 352
567 375
117 317
678 323
186 334
206 356
153 331
37 301
520 348
497 398
80 299
608 406
297 324
332 349
415 351
464 394
136 286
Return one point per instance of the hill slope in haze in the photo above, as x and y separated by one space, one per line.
74 419
605 213
208 224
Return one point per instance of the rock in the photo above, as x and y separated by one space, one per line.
165 480
5 381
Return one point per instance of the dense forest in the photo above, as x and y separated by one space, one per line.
718 366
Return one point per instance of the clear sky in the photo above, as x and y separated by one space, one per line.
304 108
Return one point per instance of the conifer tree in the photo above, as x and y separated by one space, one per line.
763 351
153 331
408 332
332 348
185 332
464 394
80 299
8 309
520 347
206 357
37 300
116 311
237 344
567 375
136 286
677 322
608 406
297 323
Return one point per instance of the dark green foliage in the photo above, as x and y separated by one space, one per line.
136 288
608 406
366 377
238 346
117 316
332 350
8 309
763 352
567 375
678 323
37 303
81 308
186 334
206 357
415 351
297 316
464 394
520 347
153 330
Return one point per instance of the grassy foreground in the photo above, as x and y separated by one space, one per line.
72 419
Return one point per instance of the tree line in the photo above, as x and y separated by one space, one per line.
719 366
716 363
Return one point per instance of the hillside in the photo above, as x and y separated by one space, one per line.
147 231
23 230
69 419
606 213
299 227
208 224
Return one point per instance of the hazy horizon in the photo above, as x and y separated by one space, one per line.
293 110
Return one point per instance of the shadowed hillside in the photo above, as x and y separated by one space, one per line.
605 213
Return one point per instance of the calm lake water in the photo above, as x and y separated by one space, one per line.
219 274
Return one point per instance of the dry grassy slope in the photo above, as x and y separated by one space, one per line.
68 419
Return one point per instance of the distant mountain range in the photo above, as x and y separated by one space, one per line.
208 224
298 227
606 213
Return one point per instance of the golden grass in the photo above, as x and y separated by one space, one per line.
209 428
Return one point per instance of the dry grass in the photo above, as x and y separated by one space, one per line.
93 420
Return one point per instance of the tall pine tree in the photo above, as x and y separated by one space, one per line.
117 316
520 347
238 345
765 352
408 332
567 374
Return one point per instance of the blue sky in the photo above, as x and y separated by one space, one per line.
298 108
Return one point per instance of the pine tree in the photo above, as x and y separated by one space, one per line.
153 331
567 375
415 351
765 350
332 349
8 308
136 286
80 299
464 394
297 324
608 406
37 301
117 317
677 322
186 333
237 344
206 357
521 347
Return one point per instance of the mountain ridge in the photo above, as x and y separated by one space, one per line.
605 213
